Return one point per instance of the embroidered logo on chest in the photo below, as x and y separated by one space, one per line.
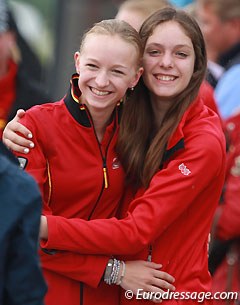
184 170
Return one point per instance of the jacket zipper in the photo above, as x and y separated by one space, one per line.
104 186
105 174
149 258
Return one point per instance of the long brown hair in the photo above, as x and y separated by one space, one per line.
140 146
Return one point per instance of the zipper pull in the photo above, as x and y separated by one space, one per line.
105 177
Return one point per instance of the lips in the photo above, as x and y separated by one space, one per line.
167 78
100 92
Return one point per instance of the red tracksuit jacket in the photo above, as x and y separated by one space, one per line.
68 164
174 214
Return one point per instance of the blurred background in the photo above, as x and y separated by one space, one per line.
53 29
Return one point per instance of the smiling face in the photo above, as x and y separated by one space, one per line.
168 61
108 66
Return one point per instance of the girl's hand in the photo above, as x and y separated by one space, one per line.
147 277
14 141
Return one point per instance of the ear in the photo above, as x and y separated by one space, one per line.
136 77
77 61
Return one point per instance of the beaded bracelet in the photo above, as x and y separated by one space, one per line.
112 271
122 274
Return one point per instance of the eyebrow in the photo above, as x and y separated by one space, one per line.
115 66
159 45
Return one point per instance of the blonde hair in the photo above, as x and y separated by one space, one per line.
120 28
224 9
146 8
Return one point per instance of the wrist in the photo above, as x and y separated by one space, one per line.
114 272
121 273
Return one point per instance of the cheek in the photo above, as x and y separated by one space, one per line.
122 87
148 62
81 84
188 71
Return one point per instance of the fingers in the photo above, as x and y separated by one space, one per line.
14 126
16 136
153 265
161 275
162 284
16 147
158 289
16 142
20 114
164 276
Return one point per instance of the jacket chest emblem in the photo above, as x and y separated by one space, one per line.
184 170
22 162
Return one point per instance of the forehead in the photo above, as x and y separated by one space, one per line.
109 47
170 32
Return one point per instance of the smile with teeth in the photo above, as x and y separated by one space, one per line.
165 77
99 92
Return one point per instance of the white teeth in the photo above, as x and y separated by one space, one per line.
101 93
165 78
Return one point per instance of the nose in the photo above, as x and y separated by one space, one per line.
166 61
102 79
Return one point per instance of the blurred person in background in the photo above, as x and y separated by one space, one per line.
136 11
21 279
214 70
224 255
220 23
18 87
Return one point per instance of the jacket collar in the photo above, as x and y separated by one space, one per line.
176 141
78 110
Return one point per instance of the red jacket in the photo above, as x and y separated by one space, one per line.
207 94
173 215
229 210
227 216
68 163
